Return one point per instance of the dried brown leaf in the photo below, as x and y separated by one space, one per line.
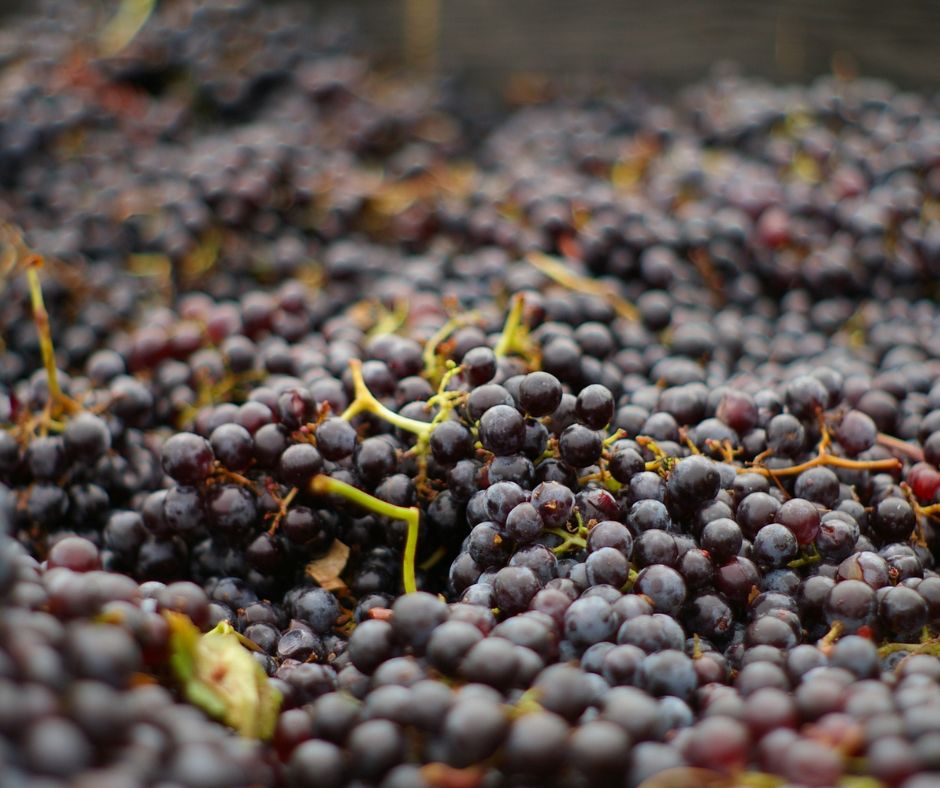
327 569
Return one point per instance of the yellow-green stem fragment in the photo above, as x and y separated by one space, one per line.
508 338
558 272
326 485
58 402
365 402
126 23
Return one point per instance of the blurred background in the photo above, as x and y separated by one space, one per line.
669 43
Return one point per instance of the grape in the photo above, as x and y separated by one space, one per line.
554 502
801 517
187 458
579 446
298 464
75 553
524 523
450 442
595 406
535 744
722 538
479 365
502 430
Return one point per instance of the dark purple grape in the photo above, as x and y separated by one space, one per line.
902 612
375 459
449 642
785 435
487 396
663 585
502 430
655 547
806 397
451 441
775 546
231 509
609 533
501 498
187 458
722 538
232 446
479 365
554 503
736 578
853 603
514 587
668 672
86 438
691 481
819 485
539 394
894 520
589 620
738 410
595 406
579 446
607 565
414 617
298 464
801 517
296 407
336 439
536 744
524 524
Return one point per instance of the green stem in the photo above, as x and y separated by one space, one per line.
452 371
569 540
365 402
326 485
58 402
431 361
126 23
41 318
631 579
508 339
810 556
930 645
557 271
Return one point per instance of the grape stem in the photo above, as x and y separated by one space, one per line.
58 402
824 457
835 632
810 556
569 540
327 485
900 447
509 339
123 27
558 272
920 512
432 361
283 505
928 645
365 402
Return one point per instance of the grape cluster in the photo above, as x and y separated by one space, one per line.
350 437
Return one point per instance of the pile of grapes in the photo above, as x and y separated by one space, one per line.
353 436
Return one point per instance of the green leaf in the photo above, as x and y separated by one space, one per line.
218 674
